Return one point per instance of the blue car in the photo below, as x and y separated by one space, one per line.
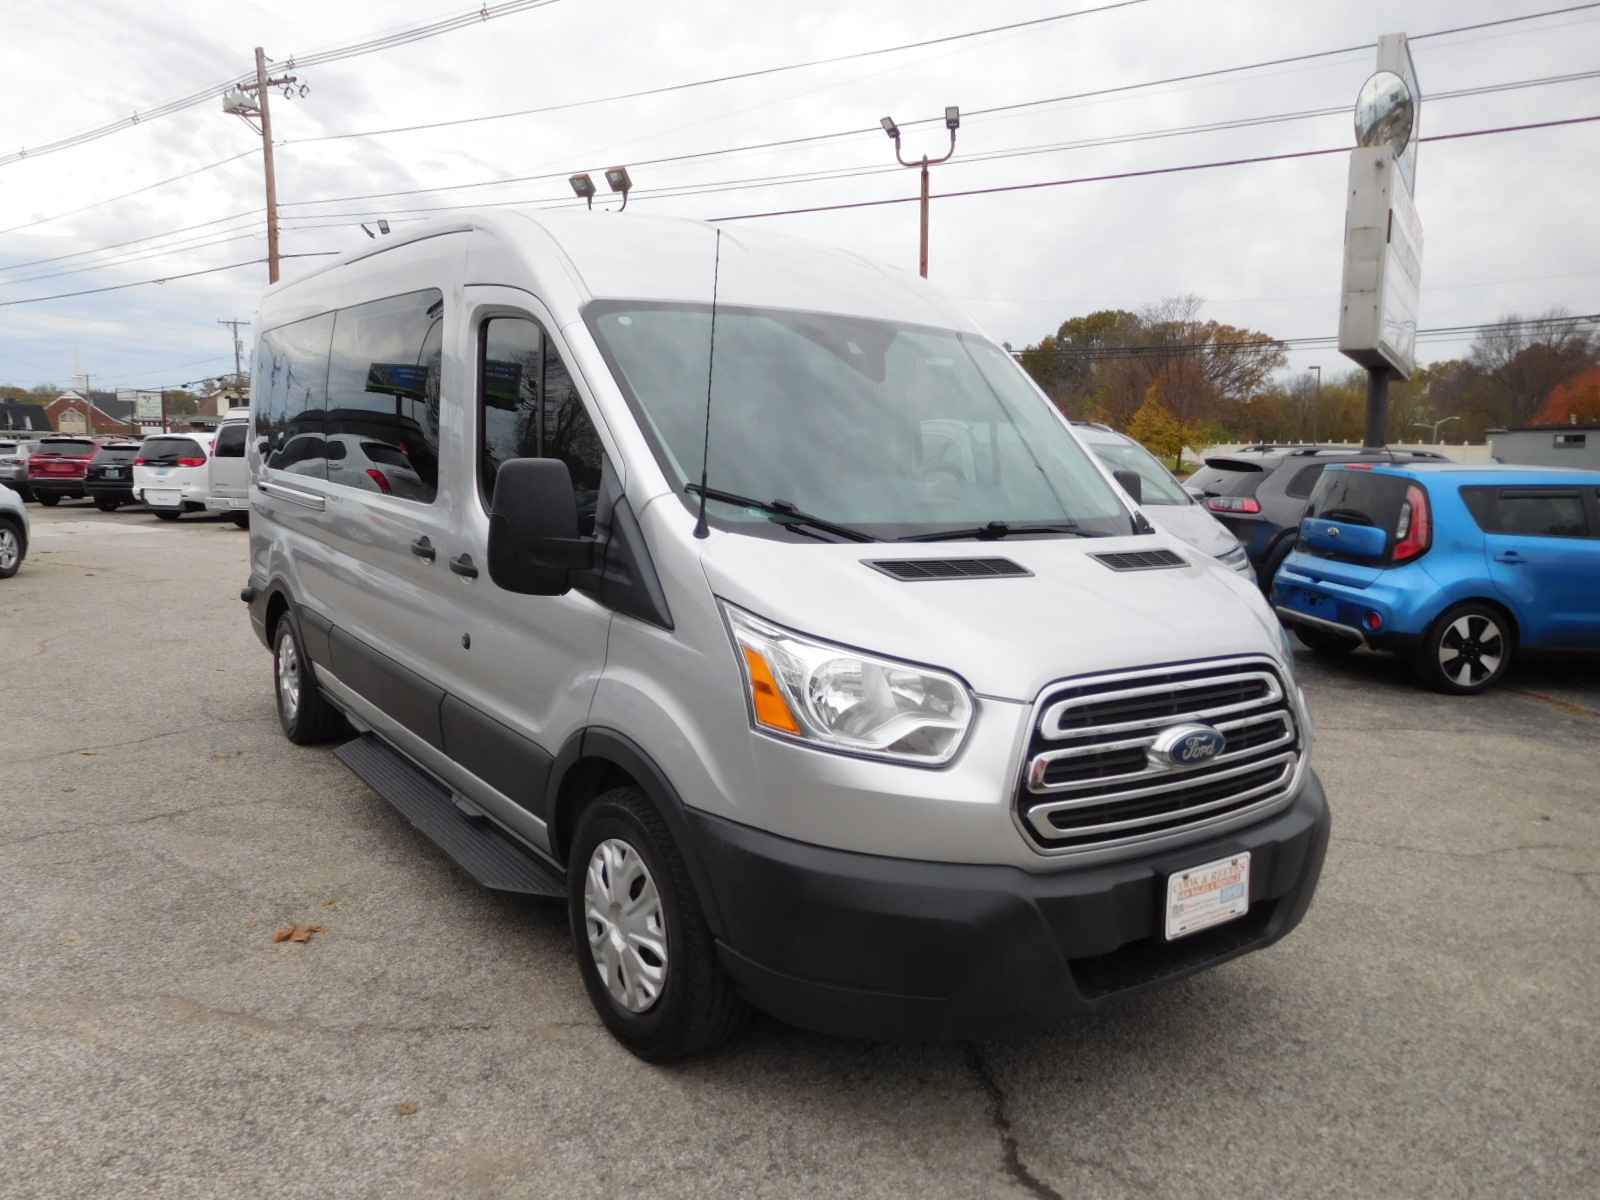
1455 567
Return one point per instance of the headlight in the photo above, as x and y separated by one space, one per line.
1237 559
839 698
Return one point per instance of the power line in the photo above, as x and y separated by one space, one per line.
700 83
487 12
117 287
136 191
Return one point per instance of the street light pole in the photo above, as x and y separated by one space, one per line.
952 122
1434 425
1316 405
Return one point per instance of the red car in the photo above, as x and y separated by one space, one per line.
58 465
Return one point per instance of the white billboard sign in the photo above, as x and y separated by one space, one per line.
1383 234
146 405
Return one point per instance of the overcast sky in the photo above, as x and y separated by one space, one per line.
1510 220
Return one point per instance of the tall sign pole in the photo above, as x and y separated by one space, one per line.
1382 233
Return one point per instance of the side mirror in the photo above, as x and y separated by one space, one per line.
1131 483
533 528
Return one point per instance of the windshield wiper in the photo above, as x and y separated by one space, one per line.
790 514
995 530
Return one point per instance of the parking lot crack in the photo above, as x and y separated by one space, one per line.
1010 1152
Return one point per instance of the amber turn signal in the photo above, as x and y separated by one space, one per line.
771 710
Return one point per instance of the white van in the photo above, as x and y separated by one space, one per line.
229 482
755 604
172 474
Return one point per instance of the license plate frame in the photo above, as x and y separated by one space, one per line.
1204 896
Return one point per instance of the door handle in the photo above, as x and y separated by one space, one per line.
423 549
463 566
1509 556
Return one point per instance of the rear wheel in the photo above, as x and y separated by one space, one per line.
1325 641
303 711
11 549
167 514
241 519
49 501
1466 650
105 505
645 952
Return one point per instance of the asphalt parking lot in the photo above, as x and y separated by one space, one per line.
1432 1029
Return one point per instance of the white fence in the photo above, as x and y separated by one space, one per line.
1458 453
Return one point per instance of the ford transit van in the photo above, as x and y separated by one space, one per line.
743 595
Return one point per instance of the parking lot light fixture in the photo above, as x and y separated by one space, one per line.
618 180
952 122
583 188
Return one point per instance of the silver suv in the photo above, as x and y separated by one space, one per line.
747 599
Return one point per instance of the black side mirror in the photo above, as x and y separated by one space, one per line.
1131 483
533 528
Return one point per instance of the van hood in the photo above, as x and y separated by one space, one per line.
1007 637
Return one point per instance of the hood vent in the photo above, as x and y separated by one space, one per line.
1142 560
912 569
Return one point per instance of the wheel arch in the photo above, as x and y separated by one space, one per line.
597 759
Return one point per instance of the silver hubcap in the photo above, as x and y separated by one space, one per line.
288 677
10 550
627 930
1471 650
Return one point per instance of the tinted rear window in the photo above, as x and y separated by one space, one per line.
1531 511
170 450
1358 498
1304 480
64 448
116 454
1223 477
230 441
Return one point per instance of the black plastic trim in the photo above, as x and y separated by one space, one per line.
397 690
513 765
317 631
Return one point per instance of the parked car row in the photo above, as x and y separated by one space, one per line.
169 473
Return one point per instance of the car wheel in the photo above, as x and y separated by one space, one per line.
1275 556
1325 641
1466 650
645 952
107 505
49 501
12 549
241 519
303 711
167 514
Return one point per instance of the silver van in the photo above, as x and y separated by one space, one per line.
742 594
230 480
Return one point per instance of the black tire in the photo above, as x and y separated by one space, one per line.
49 501
304 712
107 505
13 548
1275 556
1467 650
694 1008
241 519
1325 641
166 514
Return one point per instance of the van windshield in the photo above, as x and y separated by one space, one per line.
898 431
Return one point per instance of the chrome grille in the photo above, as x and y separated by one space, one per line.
1092 783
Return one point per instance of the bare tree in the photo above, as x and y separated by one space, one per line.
1521 359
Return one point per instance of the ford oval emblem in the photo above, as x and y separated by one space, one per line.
1187 745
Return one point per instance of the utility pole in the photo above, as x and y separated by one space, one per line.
1316 405
250 100
238 347
952 122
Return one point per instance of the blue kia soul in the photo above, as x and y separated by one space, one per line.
1455 567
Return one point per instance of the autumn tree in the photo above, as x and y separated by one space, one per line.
1575 402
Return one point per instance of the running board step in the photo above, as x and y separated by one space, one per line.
477 846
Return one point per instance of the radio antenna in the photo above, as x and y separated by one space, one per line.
701 529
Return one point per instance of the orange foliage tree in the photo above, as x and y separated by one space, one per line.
1577 401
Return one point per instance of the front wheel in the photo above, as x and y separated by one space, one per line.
303 711
645 952
241 519
1466 650
11 549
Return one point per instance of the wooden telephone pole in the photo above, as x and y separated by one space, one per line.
250 100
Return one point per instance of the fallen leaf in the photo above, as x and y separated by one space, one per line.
218 757
297 933
406 1109
88 752
330 900
65 941
252 925
69 789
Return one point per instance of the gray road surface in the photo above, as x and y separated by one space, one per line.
1433 1029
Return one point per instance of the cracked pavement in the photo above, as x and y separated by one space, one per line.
1432 1029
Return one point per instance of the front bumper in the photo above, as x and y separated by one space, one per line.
864 946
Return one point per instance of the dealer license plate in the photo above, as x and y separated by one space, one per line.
1208 895
163 499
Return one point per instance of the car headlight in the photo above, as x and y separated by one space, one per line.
1237 559
841 699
